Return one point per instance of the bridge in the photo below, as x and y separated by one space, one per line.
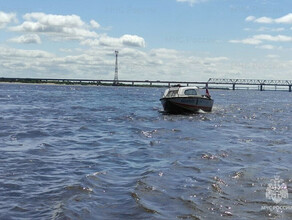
253 82
233 83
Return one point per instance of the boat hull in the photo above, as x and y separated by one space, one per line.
182 105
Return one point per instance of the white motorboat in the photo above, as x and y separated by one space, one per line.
180 100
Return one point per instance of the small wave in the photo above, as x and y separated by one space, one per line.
94 175
85 129
189 216
238 175
149 134
143 205
277 142
154 143
19 209
191 166
30 134
217 186
79 189
209 157
78 107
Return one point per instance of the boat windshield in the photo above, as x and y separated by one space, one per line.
191 92
172 93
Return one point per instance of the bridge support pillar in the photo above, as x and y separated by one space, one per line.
133 83
233 86
150 83
261 87
290 88
168 84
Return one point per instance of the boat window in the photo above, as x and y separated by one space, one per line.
190 92
172 93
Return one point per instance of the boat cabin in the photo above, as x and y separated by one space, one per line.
181 92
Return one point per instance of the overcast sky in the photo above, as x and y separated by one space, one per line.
157 39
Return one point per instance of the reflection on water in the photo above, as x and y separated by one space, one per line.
109 153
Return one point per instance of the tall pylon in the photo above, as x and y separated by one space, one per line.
116 79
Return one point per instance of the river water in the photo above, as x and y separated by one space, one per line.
84 152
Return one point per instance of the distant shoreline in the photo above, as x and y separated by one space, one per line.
82 84
95 85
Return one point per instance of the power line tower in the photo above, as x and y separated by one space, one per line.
116 79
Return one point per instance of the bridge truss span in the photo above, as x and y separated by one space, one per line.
250 82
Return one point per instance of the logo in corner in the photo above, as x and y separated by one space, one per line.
277 190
